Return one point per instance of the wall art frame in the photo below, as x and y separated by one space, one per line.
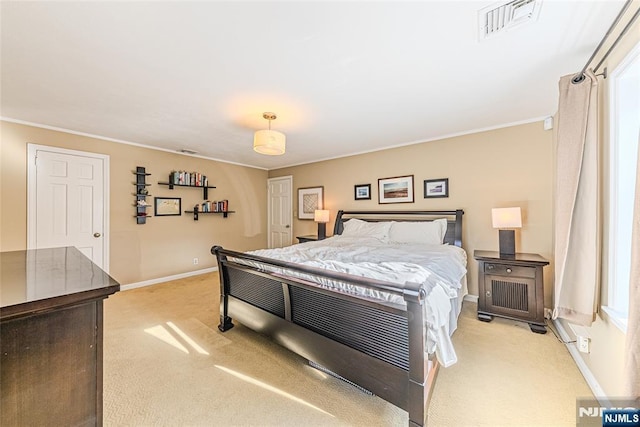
362 192
435 188
167 206
397 189
310 199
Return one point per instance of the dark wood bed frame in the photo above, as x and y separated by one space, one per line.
378 346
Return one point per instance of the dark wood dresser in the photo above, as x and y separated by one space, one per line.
51 306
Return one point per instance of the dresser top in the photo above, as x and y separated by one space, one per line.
494 256
41 279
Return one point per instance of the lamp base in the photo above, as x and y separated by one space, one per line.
322 230
507 242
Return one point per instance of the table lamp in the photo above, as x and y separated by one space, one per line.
322 218
506 220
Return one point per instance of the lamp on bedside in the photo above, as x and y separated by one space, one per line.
506 220
322 218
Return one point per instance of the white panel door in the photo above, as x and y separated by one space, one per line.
69 203
280 211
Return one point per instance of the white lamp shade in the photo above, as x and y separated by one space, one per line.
506 217
321 215
269 142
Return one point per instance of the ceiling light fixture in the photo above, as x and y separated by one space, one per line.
269 142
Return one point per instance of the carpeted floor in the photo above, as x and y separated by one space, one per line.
166 364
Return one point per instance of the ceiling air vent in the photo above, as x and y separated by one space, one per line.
503 16
187 151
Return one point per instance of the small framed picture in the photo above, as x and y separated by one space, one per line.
436 188
167 206
398 189
309 199
362 192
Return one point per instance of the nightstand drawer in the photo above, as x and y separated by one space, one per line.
509 270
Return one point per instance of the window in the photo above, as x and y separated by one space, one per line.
625 131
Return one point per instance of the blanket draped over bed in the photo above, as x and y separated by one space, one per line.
439 268
374 304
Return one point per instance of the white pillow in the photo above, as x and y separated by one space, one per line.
428 232
358 228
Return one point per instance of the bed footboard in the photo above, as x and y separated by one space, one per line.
379 346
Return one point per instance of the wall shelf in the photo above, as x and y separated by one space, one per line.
198 178
225 214
141 193
205 189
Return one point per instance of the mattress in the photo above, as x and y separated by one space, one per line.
441 269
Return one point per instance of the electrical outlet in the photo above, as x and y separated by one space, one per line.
195 261
583 344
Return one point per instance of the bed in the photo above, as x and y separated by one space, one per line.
355 324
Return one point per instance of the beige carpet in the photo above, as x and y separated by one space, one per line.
166 364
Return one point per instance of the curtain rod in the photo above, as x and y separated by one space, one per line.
580 77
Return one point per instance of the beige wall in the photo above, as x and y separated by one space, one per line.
606 359
498 168
165 245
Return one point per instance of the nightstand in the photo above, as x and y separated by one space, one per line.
511 287
307 238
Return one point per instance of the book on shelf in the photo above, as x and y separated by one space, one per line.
215 206
194 179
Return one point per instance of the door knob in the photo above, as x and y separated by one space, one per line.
286 226
97 234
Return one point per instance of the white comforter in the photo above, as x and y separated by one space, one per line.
440 268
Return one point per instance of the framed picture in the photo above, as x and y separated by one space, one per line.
398 189
167 206
309 199
362 191
436 188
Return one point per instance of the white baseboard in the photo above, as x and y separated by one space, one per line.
593 384
166 279
471 298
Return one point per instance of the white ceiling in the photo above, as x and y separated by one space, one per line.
343 77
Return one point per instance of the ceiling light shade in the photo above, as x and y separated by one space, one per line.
269 142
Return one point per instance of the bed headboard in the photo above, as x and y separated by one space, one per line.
454 220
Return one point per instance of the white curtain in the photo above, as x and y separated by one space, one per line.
632 365
577 216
